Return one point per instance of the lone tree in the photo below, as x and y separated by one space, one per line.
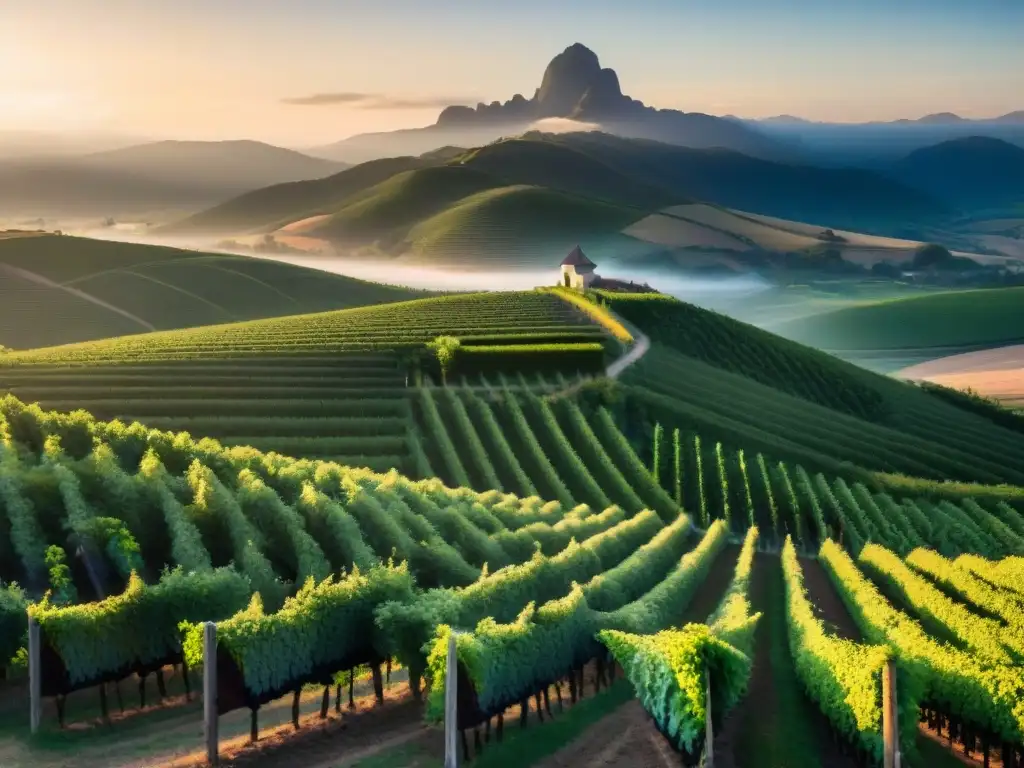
445 348
932 255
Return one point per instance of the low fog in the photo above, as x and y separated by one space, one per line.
562 125
697 288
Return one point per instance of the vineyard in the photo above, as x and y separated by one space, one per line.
62 289
722 378
749 542
330 386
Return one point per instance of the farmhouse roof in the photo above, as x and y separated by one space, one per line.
577 258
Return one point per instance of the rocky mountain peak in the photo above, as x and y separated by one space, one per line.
574 78
574 85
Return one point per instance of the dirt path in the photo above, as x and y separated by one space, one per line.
775 726
826 600
171 733
331 743
934 751
626 738
615 369
638 350
710 593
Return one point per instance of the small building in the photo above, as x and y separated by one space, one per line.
578 271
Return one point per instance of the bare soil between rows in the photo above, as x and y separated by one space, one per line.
627 738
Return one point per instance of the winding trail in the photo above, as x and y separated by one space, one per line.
641 346
638 350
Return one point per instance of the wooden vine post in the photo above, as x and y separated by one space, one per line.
210 722
709 751
890 729
451 692
35 674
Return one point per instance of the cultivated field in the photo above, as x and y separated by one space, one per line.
678 232
768 237
737 506
995 373
60 289
852 238
641 565
916 329
332 385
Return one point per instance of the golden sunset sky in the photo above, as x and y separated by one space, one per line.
219 69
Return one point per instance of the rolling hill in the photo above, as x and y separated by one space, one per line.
841 198
971 173
182 175
532 510
514 226
391 204
898 333
997 373
706 373
385 210
262 210
61 289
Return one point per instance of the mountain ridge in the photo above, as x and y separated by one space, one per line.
142 177
968 172
574 86
381 203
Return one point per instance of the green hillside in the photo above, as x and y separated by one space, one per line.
263 208
58 289
533 160
842 198
748 388
917 328
541 514
333 384
384 203
387 210
514 226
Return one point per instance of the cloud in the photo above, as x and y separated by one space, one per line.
319 99
562 125
377 101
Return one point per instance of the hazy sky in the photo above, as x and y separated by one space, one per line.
211 69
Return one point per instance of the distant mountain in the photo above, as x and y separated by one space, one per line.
782 119
936 118
574 87
176 174
26 145
877 145
940 118
1012 117
968 173
543 189
842 198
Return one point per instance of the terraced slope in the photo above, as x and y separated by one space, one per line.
299 386
223 514
737 383
402 325
58 290
616 553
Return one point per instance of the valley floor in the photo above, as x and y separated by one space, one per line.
996 373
